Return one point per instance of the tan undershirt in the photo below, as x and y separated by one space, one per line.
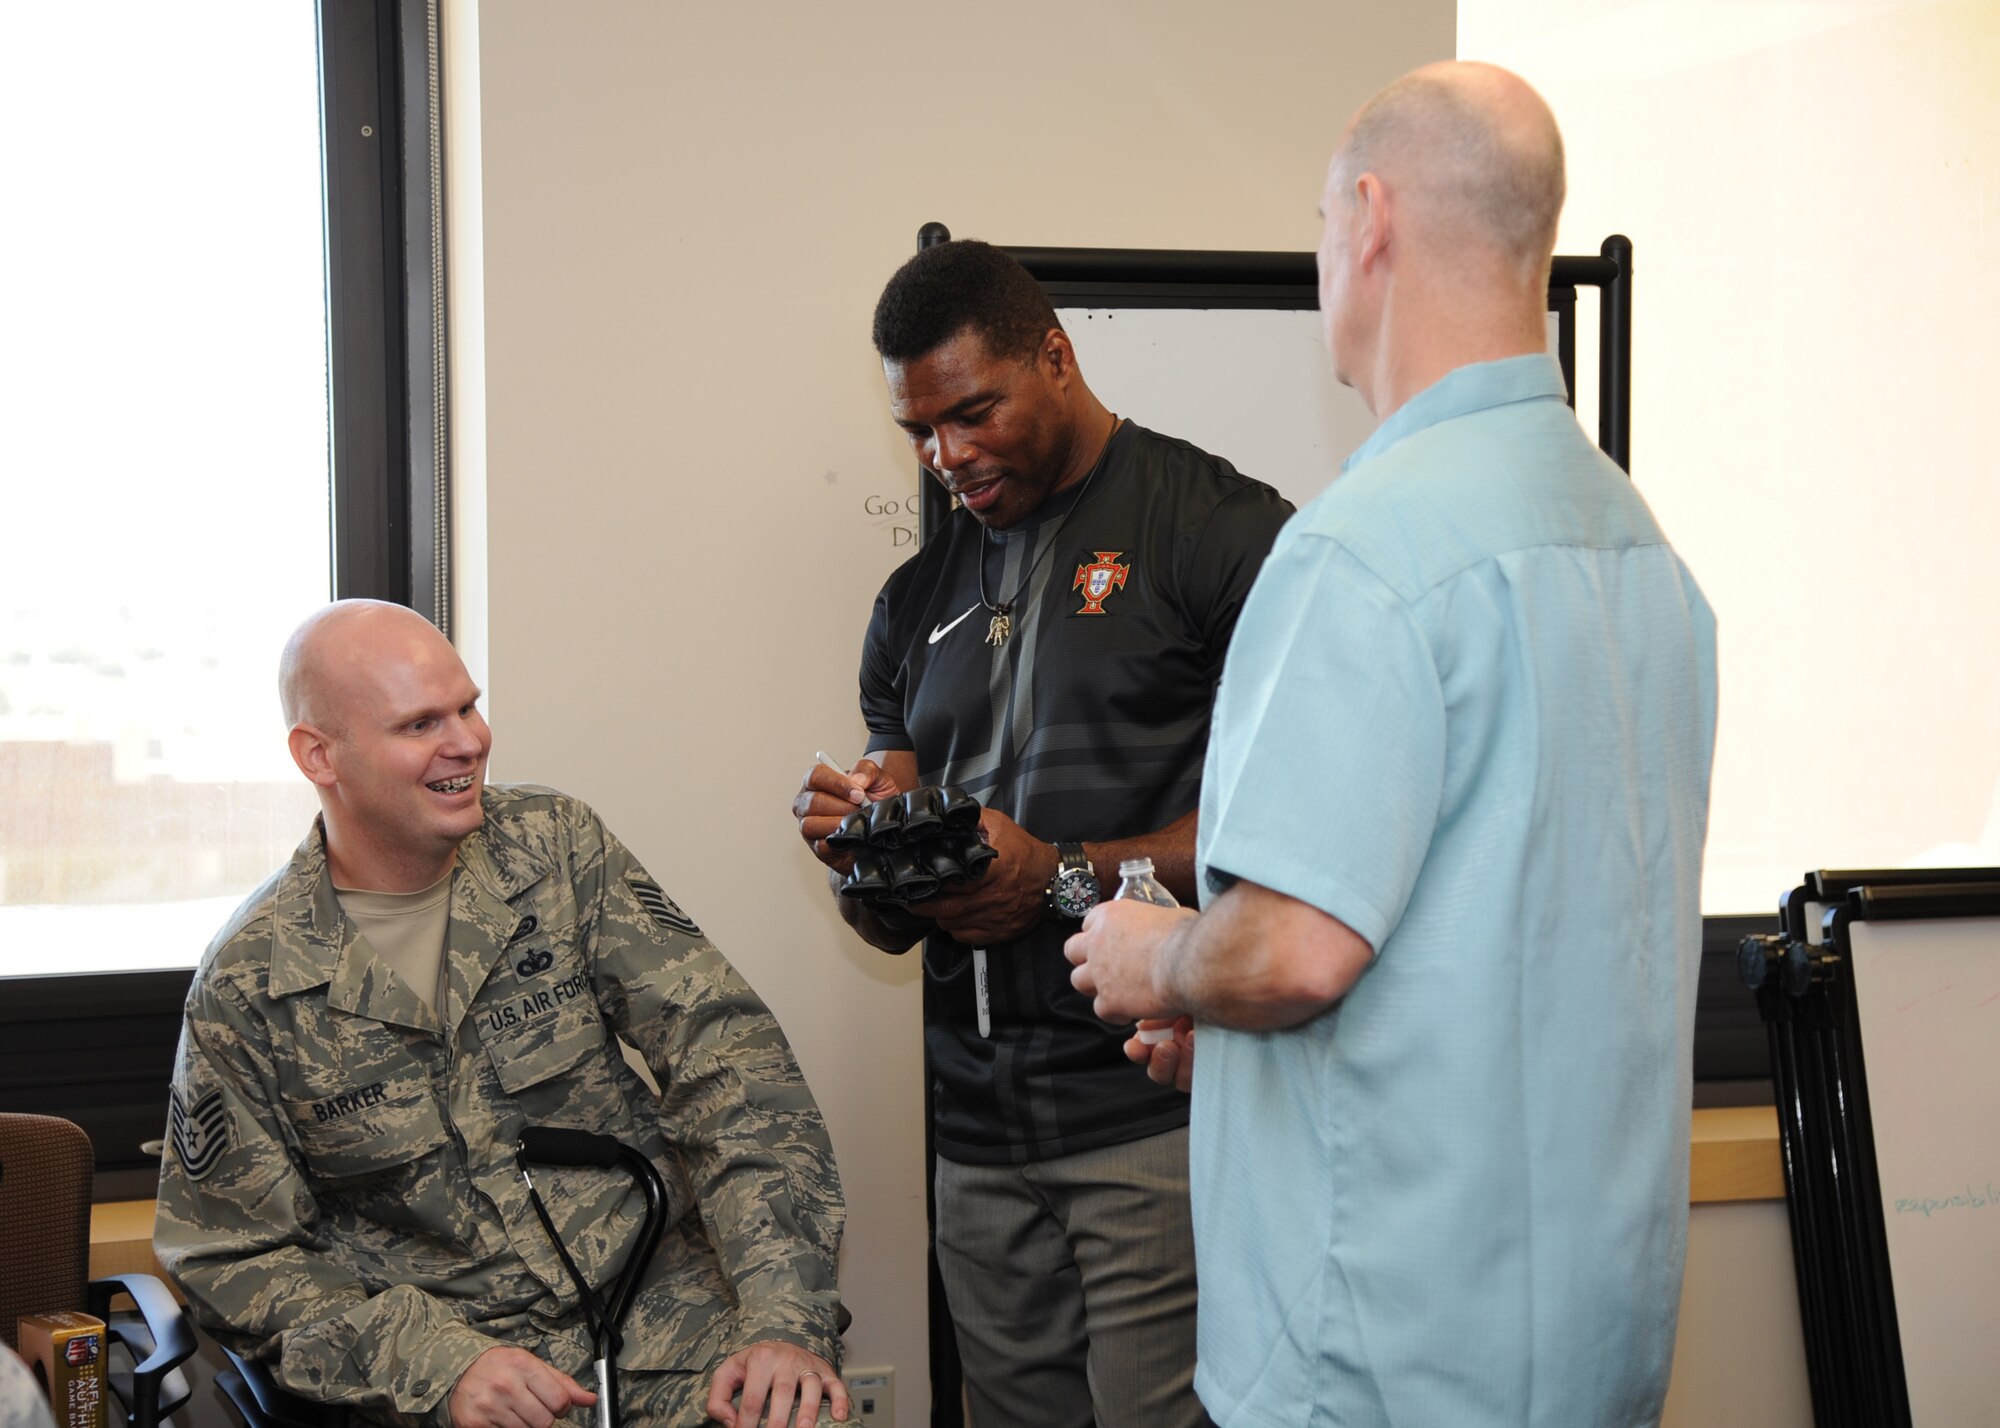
407 931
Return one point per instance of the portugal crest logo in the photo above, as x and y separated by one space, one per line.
1099 580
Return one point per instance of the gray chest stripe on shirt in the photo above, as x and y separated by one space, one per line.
1000 679
1022 727
1018 651
1107 741
1020 1082
1011 694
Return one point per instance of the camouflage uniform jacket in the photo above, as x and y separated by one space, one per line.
340 1193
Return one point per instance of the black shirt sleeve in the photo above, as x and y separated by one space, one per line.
882 678
1227 557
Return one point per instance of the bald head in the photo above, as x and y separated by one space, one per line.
338 649
1474 157
385 721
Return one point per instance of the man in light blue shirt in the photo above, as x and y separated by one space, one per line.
1451 835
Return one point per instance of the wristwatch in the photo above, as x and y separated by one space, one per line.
1073 890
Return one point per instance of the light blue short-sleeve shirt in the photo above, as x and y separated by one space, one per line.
1470 711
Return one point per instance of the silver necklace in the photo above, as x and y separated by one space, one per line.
1002 623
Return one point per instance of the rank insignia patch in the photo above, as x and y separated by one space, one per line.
1098 580
200 1132
663 909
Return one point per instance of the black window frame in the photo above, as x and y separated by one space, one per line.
97 1048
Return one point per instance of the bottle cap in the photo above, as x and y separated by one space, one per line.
1136 868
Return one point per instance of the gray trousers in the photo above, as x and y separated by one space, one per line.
1071 1285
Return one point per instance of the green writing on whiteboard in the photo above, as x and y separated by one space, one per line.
1971 1198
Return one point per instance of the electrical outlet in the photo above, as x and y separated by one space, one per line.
873 1392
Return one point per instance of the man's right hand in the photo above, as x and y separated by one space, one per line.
511 1388
827 796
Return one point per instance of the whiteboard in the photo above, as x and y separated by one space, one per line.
1251 385
1928 997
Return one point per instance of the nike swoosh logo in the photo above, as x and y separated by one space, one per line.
938 632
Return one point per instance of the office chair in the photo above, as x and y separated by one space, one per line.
262 1404
46 1165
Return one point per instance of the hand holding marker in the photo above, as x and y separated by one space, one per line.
981 1003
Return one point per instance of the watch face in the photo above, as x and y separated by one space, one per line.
1076 892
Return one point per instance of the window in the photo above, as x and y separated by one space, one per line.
209 426
167 373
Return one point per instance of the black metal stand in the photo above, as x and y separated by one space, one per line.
1174 277
1803 977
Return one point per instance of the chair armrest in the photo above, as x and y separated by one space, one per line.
166 1321
275 1407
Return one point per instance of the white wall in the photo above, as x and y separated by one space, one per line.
1739 1358
678 222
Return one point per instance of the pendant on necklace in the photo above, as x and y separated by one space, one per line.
1002 626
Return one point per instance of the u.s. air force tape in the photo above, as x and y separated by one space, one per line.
200 1132
663 909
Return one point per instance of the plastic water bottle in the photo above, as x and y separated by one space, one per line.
1136 881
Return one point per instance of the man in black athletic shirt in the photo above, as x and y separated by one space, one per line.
1054 650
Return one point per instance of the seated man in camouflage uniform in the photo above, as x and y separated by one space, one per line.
441 964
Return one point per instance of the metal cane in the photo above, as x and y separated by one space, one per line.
556 1145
